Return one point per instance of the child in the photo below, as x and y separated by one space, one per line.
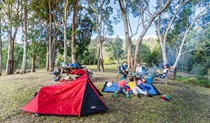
136 90
121 88
140 84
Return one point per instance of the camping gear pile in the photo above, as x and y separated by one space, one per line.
78 97
165 98
113 86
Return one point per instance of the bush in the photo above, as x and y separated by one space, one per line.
199 69
198 80
203 81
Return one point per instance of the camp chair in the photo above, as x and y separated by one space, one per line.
163 78
120 75
144 72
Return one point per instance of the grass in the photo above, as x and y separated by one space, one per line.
188 103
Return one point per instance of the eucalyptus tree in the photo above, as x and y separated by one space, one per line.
49 12
139 9
124 8
83 36
40 16
146 21
24 61
164 23
12 18
65 16
186 21
37 36
73 41
102 11
197 48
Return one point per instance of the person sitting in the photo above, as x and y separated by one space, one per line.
121 88
139 71
124 69
163 73
141 84
135 89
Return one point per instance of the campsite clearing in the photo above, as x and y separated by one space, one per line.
188 103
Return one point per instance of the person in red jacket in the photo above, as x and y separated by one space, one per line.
121 88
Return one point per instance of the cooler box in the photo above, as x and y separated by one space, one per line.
149 80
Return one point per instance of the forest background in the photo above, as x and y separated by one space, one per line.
62 31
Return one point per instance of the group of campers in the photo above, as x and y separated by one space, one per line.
136 85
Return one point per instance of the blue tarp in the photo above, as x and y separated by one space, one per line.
150 88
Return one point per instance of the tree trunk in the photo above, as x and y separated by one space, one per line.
164 55
73 41
127 37
145 28
47 59
24 61
9 67
33 64
99 16
10 58
53 52
65 35
163 41
98 63
184 38
50 39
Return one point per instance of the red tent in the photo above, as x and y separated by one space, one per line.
78 97
78 72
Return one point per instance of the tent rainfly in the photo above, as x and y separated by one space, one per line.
76 98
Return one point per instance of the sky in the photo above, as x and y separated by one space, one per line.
119 30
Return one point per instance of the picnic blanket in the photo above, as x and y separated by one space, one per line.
150 88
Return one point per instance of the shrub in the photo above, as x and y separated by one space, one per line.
198 80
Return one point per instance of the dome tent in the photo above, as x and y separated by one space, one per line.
79 97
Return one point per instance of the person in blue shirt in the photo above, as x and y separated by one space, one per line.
124 69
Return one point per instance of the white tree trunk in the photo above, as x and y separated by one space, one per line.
145 28
65 25
164 40
24 61
47 59
184 38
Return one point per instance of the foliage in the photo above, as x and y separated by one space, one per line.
18 54
145 54
91 58
199 60
197 80
156 55
114 50
83 36
40 9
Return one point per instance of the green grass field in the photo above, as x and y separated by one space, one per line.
188 103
